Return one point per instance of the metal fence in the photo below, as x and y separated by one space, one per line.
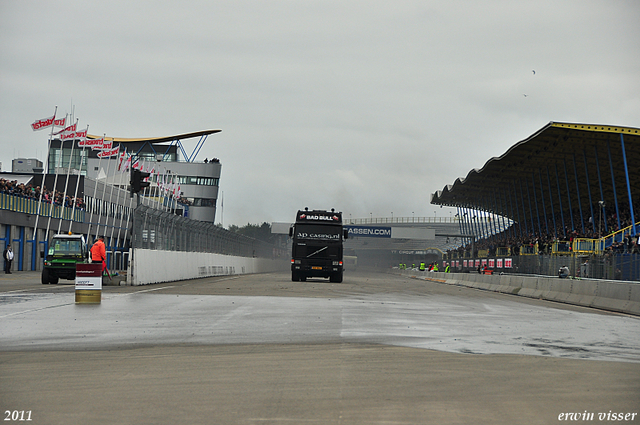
155 229
611 266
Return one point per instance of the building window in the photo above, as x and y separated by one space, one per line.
201 202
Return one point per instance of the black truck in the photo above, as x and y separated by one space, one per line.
317 245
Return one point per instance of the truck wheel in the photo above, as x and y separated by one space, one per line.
294 277
53 280
45 277
336 278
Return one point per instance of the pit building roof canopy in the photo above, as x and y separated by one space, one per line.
561 167
157 139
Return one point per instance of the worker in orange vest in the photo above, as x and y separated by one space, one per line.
99 252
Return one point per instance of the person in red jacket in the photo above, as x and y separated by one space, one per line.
99 251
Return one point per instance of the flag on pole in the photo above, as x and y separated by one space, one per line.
121 158
97 144
82 134
69 129
59 122
126 164
43 123
108 153
72 135
94 144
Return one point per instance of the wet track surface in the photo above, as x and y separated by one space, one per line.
267 309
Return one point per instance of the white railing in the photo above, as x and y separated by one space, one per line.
400 220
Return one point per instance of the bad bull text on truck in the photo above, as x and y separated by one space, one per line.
317 245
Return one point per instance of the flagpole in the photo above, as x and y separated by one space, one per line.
113 223
94 203
165 186
75 194
123 211
104 191
169 198
66 183
55 183
159 184
42 187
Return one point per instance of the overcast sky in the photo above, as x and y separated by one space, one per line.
363 106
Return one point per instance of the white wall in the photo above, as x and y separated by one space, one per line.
603 294
149 266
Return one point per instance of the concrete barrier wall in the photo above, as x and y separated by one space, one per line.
149 266
603 294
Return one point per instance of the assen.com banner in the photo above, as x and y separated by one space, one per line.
368 231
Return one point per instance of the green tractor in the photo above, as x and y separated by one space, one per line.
65 251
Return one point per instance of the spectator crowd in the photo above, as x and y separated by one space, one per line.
520 238
33 192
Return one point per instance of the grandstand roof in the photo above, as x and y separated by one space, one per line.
552 168
157 139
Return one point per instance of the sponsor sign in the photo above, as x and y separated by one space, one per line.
499 263
319 216
508 263
317 236
369 232
88 283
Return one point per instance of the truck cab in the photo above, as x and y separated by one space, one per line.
65 251
317 245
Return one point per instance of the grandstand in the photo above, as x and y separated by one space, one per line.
569 190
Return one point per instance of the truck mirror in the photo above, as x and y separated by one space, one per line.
290 232
346 233
41 254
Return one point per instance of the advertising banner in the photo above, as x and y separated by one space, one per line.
369 231
88 283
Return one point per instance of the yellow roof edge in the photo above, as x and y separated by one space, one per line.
156 139
598 127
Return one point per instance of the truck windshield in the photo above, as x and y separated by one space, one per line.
317 232
65 247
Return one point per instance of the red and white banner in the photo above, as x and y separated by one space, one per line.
82 134
127 163
67 135
98 144
109 153
70 129
72 135
60 122
43 123
107 145
94 144
121 158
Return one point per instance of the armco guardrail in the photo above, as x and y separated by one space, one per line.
608 295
